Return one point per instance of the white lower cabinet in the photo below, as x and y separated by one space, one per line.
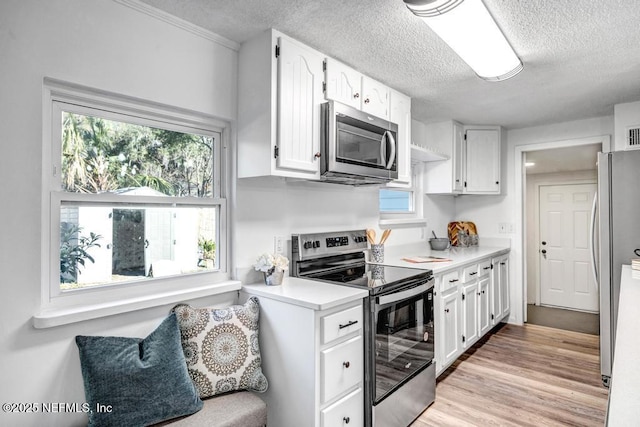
500 287
469 301
314 362
345 412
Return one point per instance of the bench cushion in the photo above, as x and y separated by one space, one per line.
239 409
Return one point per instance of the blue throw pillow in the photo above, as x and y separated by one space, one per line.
137 382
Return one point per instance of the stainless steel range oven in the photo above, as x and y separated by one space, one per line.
399 322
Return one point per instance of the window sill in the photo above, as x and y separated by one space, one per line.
63 316
402 223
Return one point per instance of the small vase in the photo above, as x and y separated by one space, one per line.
273 276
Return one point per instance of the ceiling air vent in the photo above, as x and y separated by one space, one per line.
633 137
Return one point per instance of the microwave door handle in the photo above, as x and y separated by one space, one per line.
383 149
388 136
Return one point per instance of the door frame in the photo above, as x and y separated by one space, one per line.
519 266
536 231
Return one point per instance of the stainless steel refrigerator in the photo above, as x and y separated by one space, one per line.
619 235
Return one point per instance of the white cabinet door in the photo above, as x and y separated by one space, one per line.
458 158
400 114
343 84
470 327
484 304
450 329
482 161
375 98
341 367
345 412
503 274
300 95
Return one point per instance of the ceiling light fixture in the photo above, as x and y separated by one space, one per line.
468 28
529 164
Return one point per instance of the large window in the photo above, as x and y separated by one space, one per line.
135 196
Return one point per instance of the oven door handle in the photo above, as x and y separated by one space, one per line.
403 295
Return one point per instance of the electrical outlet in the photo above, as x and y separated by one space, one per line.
279 245
511 228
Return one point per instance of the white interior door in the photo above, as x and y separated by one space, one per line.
565 263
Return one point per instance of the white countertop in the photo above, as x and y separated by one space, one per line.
624 395
459 256
307 293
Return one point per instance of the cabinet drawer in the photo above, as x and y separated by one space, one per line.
341 367
470 273
347 412
450 280
484 268
341 323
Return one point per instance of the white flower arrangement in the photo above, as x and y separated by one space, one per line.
268 261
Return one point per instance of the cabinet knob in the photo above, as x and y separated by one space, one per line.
446 310
317 155
356 95
346 420
346 364
366 101
497 182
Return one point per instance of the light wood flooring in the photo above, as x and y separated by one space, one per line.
522 376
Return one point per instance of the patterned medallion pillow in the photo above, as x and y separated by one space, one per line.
142 381
221 347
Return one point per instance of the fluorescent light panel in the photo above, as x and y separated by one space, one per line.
468 28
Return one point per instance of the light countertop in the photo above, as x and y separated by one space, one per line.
624 396
459 256
307 293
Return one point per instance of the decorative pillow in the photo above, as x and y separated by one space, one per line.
221 347
137 381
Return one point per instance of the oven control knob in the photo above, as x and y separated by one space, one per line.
316 244
308 244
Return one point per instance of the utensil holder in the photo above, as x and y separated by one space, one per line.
377 253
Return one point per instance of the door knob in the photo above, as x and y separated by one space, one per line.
544 243
544 253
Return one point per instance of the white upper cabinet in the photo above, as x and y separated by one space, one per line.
279 98
343 84
473 166
483 160
348 86
375 98
446 176
400 114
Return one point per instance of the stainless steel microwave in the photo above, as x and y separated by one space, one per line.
357 148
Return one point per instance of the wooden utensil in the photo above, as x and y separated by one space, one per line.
385 236
371 236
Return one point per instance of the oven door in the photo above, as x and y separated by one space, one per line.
359 144
404 338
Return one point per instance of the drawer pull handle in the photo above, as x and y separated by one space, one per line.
473 273
346 364
346 420
446 310
351 323
453 280
486 268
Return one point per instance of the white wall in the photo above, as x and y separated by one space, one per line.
108 46
269 207
625 115
489 211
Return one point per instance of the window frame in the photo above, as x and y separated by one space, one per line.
406 219
61 96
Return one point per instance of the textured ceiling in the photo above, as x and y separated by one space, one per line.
580 57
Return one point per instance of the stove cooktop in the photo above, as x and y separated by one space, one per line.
377 278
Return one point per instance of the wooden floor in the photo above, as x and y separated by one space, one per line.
522 376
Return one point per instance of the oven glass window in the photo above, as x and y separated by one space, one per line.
404 341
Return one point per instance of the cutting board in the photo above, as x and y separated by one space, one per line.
456 226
